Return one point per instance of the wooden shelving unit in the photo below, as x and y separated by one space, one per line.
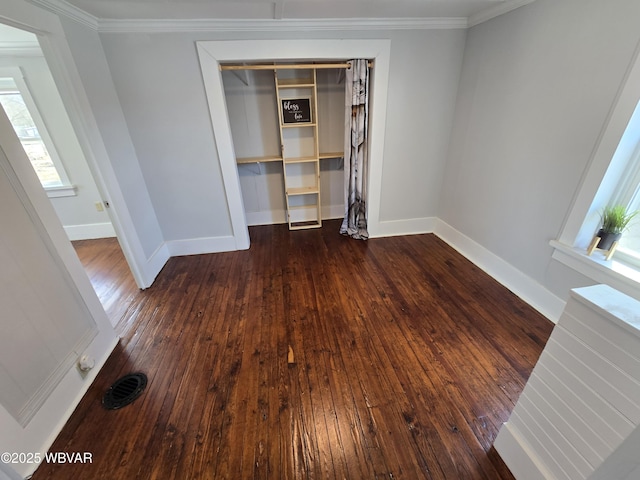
296 94
299 144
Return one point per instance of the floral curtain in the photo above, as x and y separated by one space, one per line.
356 149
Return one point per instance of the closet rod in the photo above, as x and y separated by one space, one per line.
292 66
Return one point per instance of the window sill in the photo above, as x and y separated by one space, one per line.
63 191
619 275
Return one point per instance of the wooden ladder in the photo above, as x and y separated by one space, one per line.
296 93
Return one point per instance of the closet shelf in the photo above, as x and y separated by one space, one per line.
330 155
295 83
268 158
297 125
303 191
300 159
275 158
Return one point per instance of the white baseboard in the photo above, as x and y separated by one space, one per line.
90 231
197 246
411 226
332 211
269 217
517 456
523 286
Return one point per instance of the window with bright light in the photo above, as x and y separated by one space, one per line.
32 142
628 193
30 129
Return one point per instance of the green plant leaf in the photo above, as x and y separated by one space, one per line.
616 219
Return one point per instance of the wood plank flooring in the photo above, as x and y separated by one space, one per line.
407 360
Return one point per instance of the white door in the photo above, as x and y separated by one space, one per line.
44 322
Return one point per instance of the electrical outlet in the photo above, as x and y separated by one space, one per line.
99 207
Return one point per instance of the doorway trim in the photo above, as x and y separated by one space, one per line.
212 53
57 53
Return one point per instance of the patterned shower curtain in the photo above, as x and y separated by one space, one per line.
356 149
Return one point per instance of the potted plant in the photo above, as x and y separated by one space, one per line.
615 220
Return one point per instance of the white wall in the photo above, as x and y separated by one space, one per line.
77 213
423 84
96 78
536 88
107 144
159 83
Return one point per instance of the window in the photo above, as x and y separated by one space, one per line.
628 193
30 129
612 177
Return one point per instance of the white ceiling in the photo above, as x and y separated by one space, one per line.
293 9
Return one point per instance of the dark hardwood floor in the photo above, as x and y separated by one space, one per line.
407 360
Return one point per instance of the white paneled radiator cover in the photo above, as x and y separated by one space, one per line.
579 413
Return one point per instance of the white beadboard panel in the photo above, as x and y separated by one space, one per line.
599 356
612 333
579 407
568 423
588 406
564 453
612 305
625 388
608 345
543 449
598 383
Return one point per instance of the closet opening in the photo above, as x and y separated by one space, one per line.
214 55
288 129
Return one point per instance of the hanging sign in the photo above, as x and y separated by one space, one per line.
296 110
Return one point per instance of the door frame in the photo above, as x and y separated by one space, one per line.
212 53
57 53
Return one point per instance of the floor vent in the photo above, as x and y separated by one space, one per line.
124 391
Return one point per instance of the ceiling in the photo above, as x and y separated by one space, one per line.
293 9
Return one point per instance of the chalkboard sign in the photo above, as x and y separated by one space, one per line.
296 110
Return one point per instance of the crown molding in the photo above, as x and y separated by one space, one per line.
496 11
61 7
270 25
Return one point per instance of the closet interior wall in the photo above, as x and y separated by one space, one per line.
253 116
